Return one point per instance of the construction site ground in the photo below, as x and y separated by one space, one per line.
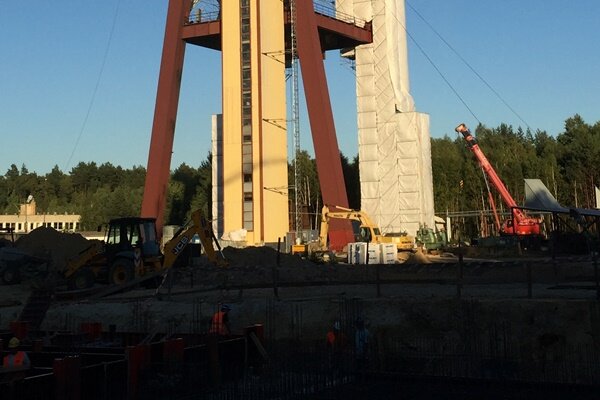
539 301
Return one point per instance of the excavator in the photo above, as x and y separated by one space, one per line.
521 224
131 251
366 231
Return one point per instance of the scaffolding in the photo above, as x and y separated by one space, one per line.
295 119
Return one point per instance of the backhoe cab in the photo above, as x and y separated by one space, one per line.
131 251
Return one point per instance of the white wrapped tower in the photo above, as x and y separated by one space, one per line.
393 139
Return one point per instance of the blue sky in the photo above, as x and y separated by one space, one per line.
79 84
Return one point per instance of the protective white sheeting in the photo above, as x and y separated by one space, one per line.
345 7
370 152
395 23
394 144
370 175
368 119
369 136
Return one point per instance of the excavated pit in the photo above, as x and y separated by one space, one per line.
412 305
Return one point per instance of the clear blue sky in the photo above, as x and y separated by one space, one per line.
67 96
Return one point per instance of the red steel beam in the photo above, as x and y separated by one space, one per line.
327 153
165 114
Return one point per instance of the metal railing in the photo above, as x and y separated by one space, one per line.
198 15
332 12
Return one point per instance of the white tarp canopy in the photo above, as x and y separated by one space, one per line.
539 198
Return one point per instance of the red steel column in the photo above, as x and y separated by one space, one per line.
165 114
327 153
67 375
138 358
174 351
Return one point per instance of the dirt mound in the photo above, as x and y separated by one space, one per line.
252 265
262 256
48 243
418 258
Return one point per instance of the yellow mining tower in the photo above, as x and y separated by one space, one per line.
254 136
254 39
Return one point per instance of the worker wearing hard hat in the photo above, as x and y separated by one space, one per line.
336 340
16 359
219 323
336 345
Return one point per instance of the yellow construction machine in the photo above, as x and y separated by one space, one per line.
131 251
364 231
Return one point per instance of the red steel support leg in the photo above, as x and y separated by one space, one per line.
67 375
214 366
327 153
138 359
165 114
173 351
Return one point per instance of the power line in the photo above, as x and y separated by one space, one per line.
437 69
95 91
468 65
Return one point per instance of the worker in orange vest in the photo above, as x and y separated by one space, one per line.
336 344
16 359
336 340
219 323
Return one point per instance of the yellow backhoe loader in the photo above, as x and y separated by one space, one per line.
131 250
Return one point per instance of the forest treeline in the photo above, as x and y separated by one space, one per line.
568 163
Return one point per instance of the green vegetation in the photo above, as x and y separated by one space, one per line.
569 165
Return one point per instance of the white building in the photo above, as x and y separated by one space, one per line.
28 219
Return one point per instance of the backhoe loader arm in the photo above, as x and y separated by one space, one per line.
83 258
197 225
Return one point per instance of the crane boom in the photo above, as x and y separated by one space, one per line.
523 225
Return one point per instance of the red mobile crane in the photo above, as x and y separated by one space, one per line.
520 224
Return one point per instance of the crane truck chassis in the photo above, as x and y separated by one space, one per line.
131 250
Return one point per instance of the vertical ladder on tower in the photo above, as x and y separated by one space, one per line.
295 119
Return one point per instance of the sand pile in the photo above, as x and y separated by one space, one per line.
418 258
49 243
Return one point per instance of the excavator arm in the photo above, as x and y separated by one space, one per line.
349 214
199 225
